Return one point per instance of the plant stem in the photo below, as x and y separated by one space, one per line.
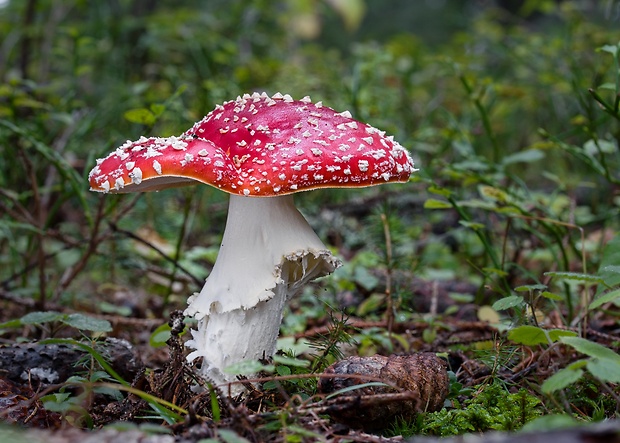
484 116
388 282
483 238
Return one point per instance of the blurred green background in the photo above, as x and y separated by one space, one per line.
491 97
511 110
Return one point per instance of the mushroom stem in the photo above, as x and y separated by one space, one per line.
268 252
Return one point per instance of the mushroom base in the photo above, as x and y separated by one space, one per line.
268 253
224 339
231 337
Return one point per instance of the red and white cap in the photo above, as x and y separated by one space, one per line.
259 146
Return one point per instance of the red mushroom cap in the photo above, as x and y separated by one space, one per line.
257 146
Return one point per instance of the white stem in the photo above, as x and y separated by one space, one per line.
268 253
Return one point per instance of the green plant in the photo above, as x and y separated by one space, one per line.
328 345
287 368
612 108
52 321
492 407
602 363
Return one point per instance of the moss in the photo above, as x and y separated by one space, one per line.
492 408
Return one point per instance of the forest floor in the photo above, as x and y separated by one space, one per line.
61 387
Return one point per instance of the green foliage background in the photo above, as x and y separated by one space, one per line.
511 113
475 93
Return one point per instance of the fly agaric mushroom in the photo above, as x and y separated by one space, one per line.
260 150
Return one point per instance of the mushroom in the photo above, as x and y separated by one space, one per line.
260 150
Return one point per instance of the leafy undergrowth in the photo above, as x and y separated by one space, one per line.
501 255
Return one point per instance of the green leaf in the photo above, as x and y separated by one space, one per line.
528 335
605 298
472 225
86 348
99 375
528 288
216 413
493 193
16 323
87 323
432 203
38 318
288 361
551 296
157 109
160 336
511 301
561 379
612 49
527 156
351 13
58 402
115 394
476 203
611 271
439 190
110 308
551 421
604 369
365 278
590 348
141 116
372 303
471 165
593 147
283 370
579 364
576 276
498 272
487 314
164 413
610 263
582 155
556 334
